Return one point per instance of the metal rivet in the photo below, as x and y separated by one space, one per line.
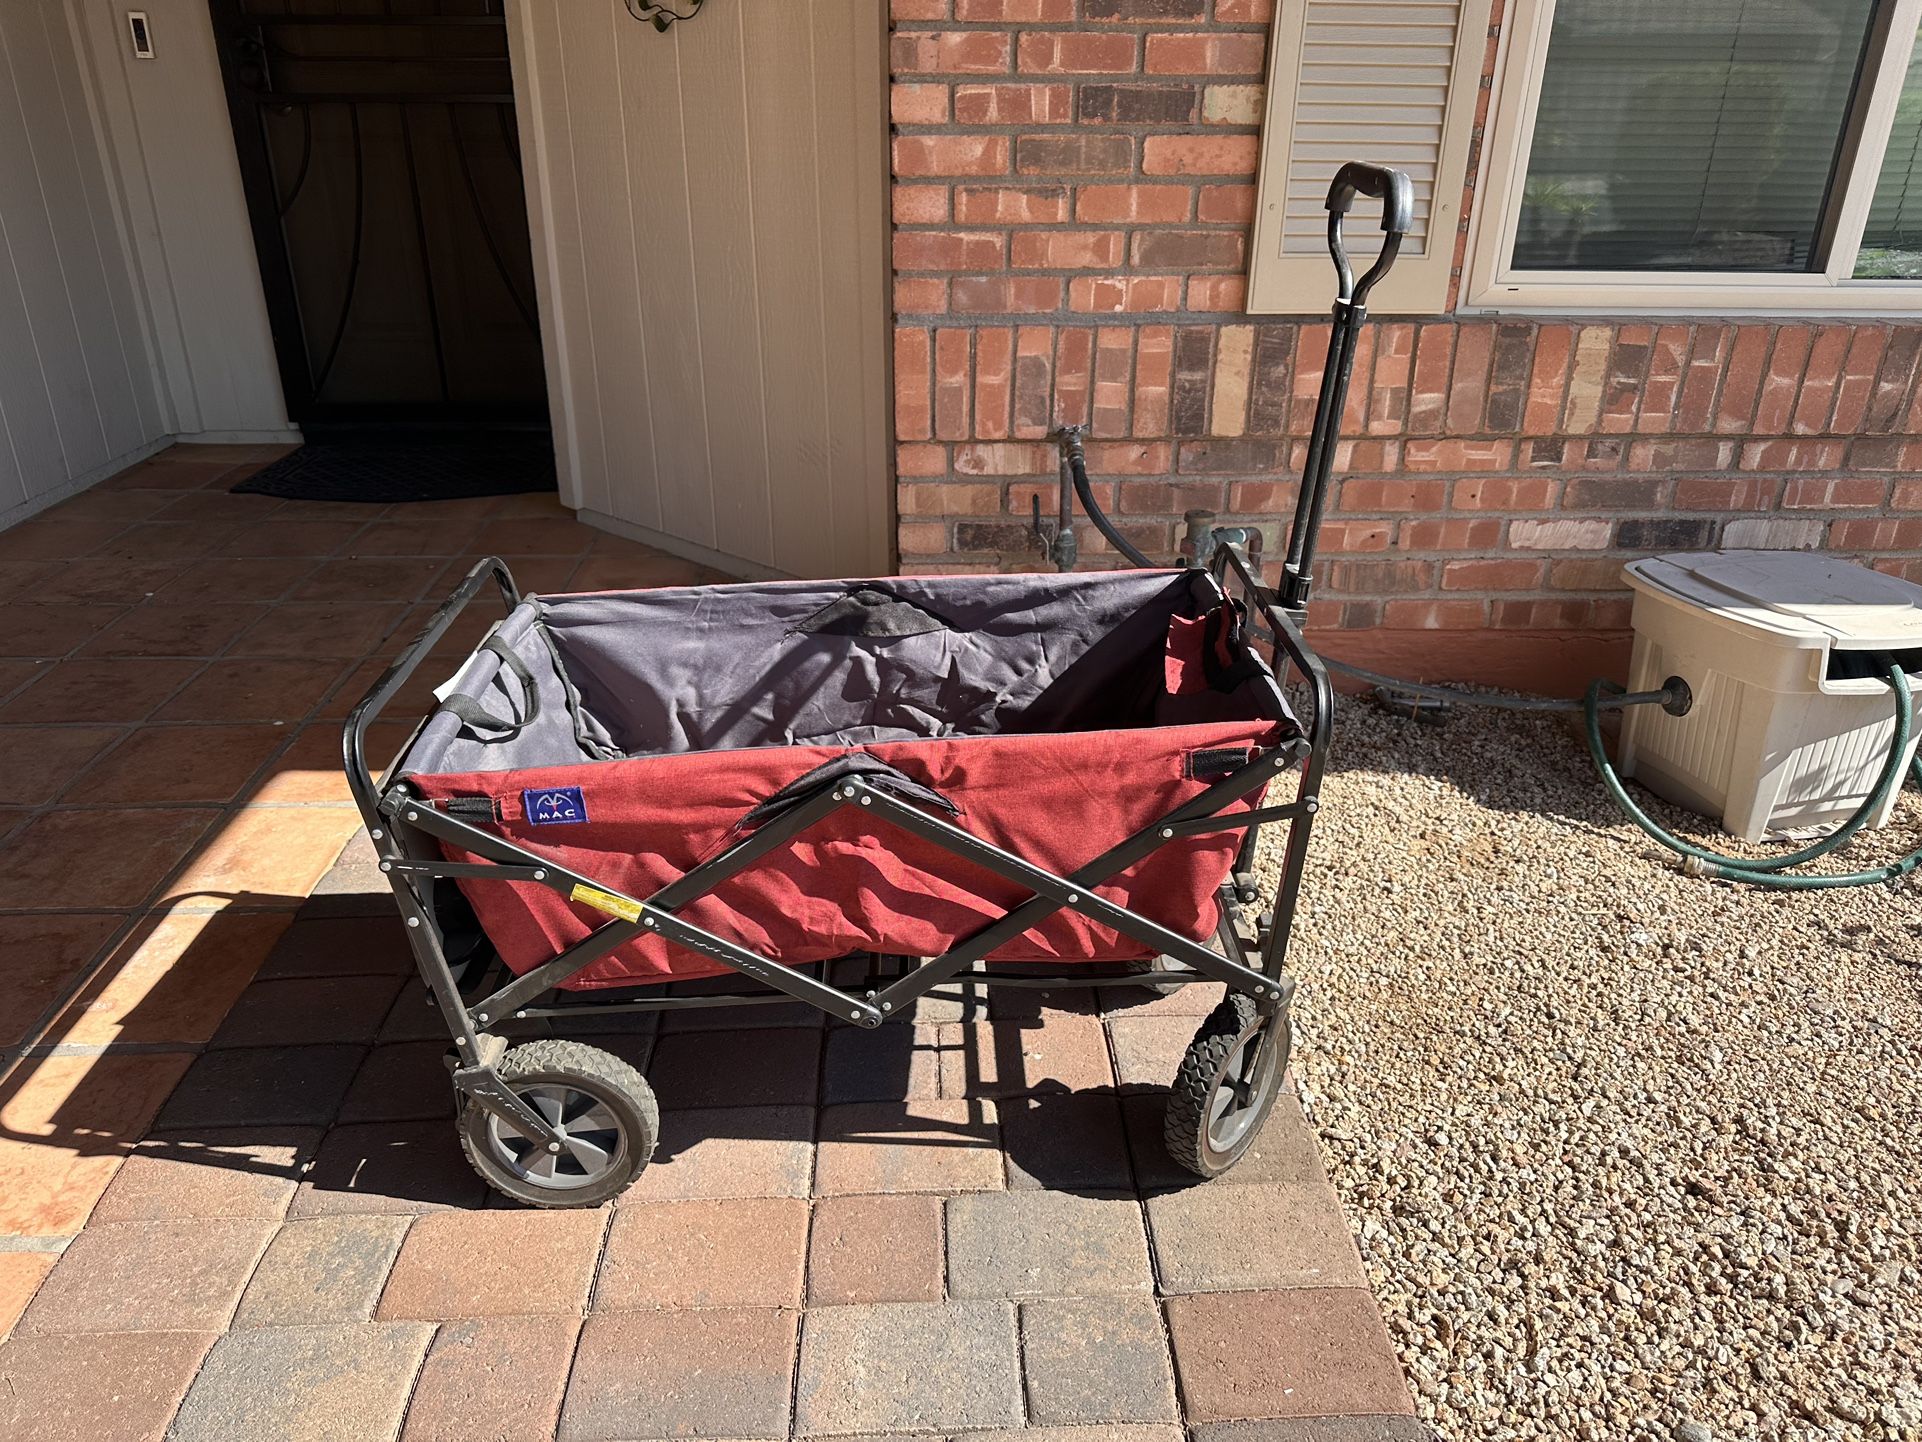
1166 833
376 834
553 1146
867 801
648 922
887 1006
387 866
413 816
481 1017
413 921
1074 896
520 1016
854 1015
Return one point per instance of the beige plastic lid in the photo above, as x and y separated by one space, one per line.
1816 599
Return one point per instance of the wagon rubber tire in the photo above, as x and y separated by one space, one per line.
1205 1132
609 1105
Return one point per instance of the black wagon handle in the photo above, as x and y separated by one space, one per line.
1397 196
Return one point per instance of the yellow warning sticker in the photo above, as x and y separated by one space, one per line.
605 901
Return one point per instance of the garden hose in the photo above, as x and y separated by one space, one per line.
1395 686
1767 871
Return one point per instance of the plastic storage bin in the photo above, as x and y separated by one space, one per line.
1790 726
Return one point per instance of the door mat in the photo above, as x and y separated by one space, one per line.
408 470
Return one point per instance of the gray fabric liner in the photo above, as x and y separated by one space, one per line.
642 673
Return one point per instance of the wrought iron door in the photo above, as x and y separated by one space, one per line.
381 161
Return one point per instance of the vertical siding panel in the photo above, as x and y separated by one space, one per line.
569 241
713 98
56 338
670 311
787 242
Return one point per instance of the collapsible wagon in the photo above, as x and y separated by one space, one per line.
1022 780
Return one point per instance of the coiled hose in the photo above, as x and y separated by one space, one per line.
1768 871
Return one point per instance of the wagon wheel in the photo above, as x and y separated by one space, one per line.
1227 1083
603 1108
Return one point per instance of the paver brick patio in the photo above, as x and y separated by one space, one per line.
1045 1244
299 1129
909 1367
342 1383
495 1264
745 1252
1097 1360
181 1276
724 1372
322 1269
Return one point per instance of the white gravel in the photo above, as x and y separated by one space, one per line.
1630 1155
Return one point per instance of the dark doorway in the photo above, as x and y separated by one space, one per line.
381 161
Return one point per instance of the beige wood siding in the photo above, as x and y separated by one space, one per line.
1392 82
76 386
708 211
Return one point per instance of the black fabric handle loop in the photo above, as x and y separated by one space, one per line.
478 718
870 768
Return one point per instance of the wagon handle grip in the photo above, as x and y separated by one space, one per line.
1397 196
360 780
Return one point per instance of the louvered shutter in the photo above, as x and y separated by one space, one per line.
1392 82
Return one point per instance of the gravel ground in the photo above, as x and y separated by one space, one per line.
1630 1155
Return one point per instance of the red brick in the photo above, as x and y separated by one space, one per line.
1152 204
1548 379
1468 388
104 1387
1458 455
1726 493
1077 52
1157 102
1781 381
1367 496
921 155
1074 154
1171 498
1668 356
1857 385
702 1371
1226 204
1187 250
920 295
993 381
949 498
961 52
510 1370
1006 459
1680 455
1267 498
1419 615
744 1252
1907 496
1505 493
1132 293
992 12
911 104
1827 493
1073 376
171 1276
1585 574
1033 381
1200 154
920 9
949 250
1496 574
1206 54
1066 250
913 410
1339 537
920 204
1009 204
951 383
876 1249
1114 355
1877 535
1130 458
1820 377
1704 374
1209 293
1004 294
1244 12
494 1264
1791 455
1354 414
921 538
1627 373
1480 534
1376 578
1742 383
1614 493
1123 11
1428 393
1389 386
1570 615
1013 104
1154 374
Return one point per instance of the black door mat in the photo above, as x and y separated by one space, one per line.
386 470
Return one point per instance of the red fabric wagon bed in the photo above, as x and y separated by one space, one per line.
632 735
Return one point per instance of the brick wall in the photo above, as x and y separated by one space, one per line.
1073 186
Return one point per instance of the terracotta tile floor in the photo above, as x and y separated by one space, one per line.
231 1199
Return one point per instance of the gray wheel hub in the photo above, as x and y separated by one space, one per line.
1246 1077
592 1142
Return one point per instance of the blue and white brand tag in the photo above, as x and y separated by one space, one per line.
554 806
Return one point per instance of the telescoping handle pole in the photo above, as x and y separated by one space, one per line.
1397 196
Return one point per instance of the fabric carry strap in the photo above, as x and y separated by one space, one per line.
1226 659
870 768
477 718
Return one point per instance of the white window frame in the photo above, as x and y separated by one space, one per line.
1490 284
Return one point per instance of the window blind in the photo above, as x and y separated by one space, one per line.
1892 240
1689 137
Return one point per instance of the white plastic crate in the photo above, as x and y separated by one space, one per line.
1787 731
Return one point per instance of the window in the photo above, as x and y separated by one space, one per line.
1393 82
1714 155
